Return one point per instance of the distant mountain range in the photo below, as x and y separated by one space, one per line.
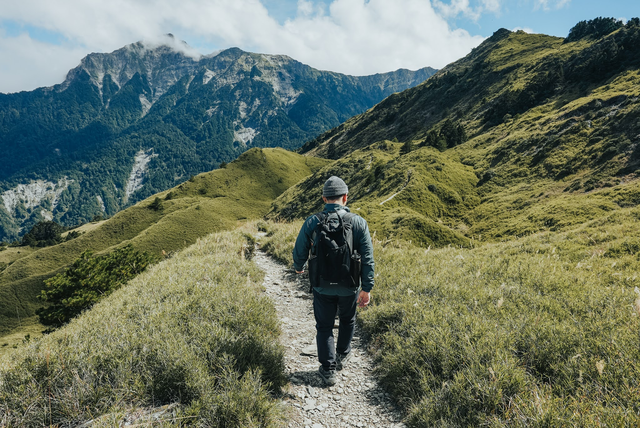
134 122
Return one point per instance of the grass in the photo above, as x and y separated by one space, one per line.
419 196
538 331
195 330
213 201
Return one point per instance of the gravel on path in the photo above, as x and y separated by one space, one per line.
356 400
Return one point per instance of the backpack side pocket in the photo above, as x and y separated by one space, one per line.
356 268
313 272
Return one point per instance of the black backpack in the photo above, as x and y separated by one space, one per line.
334 262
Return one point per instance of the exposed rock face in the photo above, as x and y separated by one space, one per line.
34 194
136 177
162 65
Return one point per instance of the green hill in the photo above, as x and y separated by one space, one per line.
550 127
209 202
417 197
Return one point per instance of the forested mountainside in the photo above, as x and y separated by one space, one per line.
137 121
207 203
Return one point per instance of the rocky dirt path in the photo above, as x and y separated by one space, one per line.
356 400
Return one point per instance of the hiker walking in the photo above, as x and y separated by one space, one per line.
338 246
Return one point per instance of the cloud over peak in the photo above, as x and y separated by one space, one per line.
350 36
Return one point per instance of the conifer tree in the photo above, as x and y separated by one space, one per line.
407 147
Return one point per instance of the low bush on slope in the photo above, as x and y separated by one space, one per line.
540 331
87 281
193 329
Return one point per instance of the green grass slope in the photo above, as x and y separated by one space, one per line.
537 331
553 132
418 196
194 331
209 202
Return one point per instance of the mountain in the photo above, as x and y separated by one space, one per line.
519 161
137 121
526 133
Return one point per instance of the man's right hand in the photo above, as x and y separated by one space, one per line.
299 271
363 299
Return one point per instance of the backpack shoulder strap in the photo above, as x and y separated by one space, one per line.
321 216
346 218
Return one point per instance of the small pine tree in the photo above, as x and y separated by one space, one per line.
156 205
87 281
43 234
407 147
441 143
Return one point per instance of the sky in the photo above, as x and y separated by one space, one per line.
41 40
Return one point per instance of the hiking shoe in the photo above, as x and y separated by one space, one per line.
329 376
341 359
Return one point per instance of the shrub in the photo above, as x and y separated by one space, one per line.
87 281
407 147
595 28
44 234
156 205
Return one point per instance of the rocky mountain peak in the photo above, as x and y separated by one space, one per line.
163 62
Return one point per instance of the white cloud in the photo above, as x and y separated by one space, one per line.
359 37
463 7
492 5
457 7
28 64
525 29
550 4
350 36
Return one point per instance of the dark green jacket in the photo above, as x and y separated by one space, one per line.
361 243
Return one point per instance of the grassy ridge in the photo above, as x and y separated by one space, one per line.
208 203
194 329
539 331
553 133
420 196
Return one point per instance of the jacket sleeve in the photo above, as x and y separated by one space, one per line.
365 248
303 243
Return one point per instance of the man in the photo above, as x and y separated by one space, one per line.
327 300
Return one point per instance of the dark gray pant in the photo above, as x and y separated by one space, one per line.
325 308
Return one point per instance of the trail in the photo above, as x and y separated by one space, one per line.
356 400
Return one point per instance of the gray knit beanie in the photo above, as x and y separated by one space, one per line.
334 186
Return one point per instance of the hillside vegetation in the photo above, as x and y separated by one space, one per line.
538 331
207 203
194 330
418 197
552 135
